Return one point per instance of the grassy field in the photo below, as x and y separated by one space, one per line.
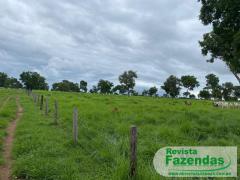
43 150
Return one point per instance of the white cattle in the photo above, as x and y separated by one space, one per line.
223 104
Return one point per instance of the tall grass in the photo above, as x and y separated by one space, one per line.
43 150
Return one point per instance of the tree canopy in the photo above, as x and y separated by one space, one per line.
119 89
228 91
94 89
104 86
204 94
9 82
212 85
172 86
3 79
237 91
13 83
152 91
127 80
66 85
189 82
33 80
83 86
223 42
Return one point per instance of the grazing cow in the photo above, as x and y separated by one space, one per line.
188 103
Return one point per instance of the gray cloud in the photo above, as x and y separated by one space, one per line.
100 39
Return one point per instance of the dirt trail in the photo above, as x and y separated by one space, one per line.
5 170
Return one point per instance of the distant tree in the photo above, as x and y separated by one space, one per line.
204 94
223 41
213 86
165 95
127 79
212 81
3 79
237 91
119 89
104 86
33 80
13 83
83 86
152 91
192 96
217 93
172 86
65 85
134 93
145 92
186 94
94 89
189 82
228 90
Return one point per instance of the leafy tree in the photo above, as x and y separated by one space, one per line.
228 90
3 79
104 86
212 81
213 86
33 80
134 93
152 91
217 92
192 96
187 94
127 79
94 89
223 42
204 94
83 86
237 91
120 89
13 83
172 86
189 82
9 82
145 92
65 85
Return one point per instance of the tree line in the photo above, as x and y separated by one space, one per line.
172 86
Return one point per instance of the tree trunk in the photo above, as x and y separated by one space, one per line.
237 76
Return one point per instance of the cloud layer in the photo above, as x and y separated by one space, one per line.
95 39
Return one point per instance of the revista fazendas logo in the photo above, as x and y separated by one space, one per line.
185 161
196 161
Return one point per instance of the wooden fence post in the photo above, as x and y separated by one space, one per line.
41 103
35 98
56 112
46 106
75 125
133 151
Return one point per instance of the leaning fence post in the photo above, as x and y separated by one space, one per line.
133 151
55 112
75 125
41 103
46 106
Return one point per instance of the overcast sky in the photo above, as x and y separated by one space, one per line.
99 39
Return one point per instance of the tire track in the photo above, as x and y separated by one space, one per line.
5 170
